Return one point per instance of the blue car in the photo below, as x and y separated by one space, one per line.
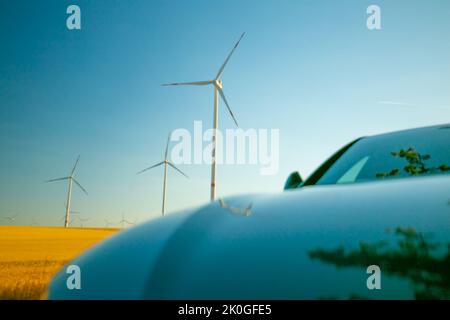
372 222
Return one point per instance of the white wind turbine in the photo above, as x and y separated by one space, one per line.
217 83
70 179
166 163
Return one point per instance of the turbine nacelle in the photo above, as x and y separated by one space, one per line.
218 83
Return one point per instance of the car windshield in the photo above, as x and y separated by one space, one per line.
397 155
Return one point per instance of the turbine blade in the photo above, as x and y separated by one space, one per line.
154 166
228 58
167 146
196 83
78 184
75 166
57 179
173 166
228 107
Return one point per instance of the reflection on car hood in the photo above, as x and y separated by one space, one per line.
300 244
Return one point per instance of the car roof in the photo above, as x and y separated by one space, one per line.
411 131
401 134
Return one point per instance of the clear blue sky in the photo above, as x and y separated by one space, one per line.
309 68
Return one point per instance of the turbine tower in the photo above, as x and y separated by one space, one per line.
70 180
166 163
217 83
72 214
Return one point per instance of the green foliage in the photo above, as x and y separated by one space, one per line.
412 257
415 165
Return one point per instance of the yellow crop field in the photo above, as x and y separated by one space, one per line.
30 256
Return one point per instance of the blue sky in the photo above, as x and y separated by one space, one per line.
308 68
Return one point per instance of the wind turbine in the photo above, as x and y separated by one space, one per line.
107 223
166 163
33 223
82 220
123 221
70 179
217 83
11 218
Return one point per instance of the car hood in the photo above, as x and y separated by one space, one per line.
312 243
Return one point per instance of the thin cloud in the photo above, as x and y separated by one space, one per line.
405 104
395 103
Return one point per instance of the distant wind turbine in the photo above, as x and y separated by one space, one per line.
82 220
123 221
11 218
166 163
33 223
70 179
217 83
107 223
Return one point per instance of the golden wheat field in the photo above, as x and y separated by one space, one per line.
30 256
